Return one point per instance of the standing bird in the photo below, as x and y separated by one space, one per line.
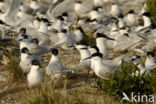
80 8
131 18
101 43
150 61
84 53
54 68
25 62
121 21
146 18
79 33
136 59
101 70
59 23
115 10
63 37
95 14
36 22
35 76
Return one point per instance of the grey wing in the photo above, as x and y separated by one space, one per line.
66 4
13 8
37 50
54 68
112 63
108 70
56 9
52 35
53 5
6 2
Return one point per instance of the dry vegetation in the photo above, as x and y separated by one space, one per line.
77 89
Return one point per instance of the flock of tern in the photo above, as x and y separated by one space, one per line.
65 23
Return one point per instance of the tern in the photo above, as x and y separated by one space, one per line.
101 43
115 10
35 76
101 70
79 33
150 61
84 53
63 37
136 59
26 59
10 16
131 18
80 8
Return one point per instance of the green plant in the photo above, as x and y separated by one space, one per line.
90 39
151 7
124 81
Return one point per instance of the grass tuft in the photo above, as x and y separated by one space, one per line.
15 72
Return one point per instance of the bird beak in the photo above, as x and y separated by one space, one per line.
29 54
20 40
126 35
88 58
132 60
85 35
110 39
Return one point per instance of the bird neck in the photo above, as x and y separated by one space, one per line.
84 53
92 51
131 15
58 24
150 60
114 28
43 27
140 66
24 56
78 33
37 24
34 68
98 61
115 7
54 58
147 21
100 42
121 23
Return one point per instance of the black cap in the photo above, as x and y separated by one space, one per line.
24 50
55 52
35 62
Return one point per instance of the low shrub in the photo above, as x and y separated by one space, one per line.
151 7
124 81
